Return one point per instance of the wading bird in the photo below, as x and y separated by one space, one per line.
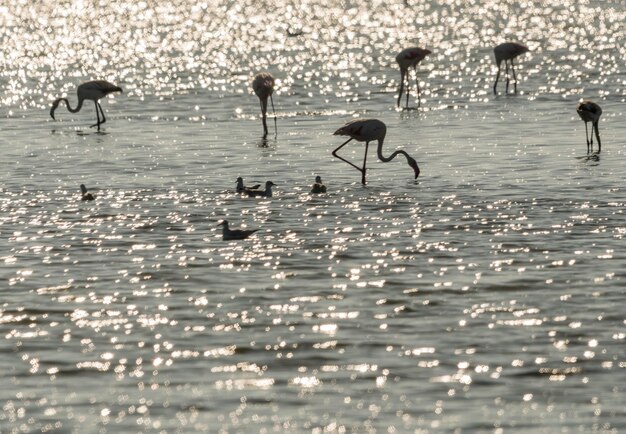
409 58
234 234
318 187
242 188
262 193
507 52
85 194
590 112
263 86
367 130
93 91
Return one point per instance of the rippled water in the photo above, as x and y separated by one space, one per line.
485 297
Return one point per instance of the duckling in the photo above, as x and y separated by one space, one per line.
85 194
262 193
234 234
318 187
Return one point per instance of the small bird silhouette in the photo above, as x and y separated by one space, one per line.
263 86
507 52
85 194
318 187
93 91
234 234
242 188
590 112
262 193
367 130
409 58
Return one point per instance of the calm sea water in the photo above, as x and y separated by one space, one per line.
487 296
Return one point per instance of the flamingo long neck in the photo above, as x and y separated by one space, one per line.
67 104
384 159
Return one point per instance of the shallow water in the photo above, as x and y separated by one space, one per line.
483 297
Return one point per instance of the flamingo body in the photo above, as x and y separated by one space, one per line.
234 234
92 91
263 86
589 111
367 130
507 52
409 58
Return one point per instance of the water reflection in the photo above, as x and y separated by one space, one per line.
385 308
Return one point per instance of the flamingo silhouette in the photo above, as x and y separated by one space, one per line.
367 130
93 91
507 52
409 58
590 112
263 86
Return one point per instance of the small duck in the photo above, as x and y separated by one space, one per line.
262 193
242 188
318 187
85 194
234 234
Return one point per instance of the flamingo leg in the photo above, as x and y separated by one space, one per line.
97 124
401 86
506 64
408 88
495 85
349 162
587 136
514 77
264 116
275 125
364 163
595 125
417 81
102 113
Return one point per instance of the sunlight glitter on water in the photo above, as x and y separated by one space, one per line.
494 279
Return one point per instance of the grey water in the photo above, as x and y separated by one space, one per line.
484 297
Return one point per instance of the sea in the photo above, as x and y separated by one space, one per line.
485 296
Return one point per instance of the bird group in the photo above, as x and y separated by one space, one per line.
253 191
361 130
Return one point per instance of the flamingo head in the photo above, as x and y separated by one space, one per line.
414 166
55 104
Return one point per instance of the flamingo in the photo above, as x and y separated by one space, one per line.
409 58
507 52
262 193
85 194
318 187
242 188
234 234
590 112
263 86
93 91
367 130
